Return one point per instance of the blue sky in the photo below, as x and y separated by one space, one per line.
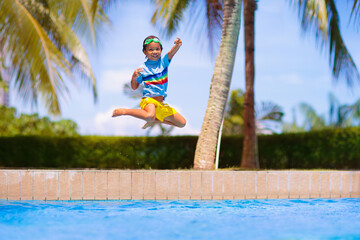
290 66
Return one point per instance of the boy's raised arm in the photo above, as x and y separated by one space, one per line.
136 74
175 48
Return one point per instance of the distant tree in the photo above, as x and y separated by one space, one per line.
3 84
268 117
219 19
267 114
234 116
343 115
25 125
339 116
319 16
312 120
293 126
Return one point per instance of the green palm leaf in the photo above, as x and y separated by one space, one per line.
169 14
42 47
322 15
356 9
312 120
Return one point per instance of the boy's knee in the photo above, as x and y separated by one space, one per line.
150 117
182 123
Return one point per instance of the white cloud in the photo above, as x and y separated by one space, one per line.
187 130
104 124
113 80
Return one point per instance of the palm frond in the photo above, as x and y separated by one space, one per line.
356 9
356 109
214 15
269 111
33 53
41 42
312 120
79 59
89 16
168 15
334 105
342 61
100 5
322 15
314 14
345 116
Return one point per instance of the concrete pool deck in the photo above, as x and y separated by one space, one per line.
175 184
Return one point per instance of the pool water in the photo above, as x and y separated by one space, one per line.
235 219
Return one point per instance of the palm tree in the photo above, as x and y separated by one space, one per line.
339 116
39 40
320 15
4 89
226 15
234 116
344 115
312 120
267 115
250 157
220 86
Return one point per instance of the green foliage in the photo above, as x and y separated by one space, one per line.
97 152
339 116
234 116
330 149
40 42
267 115
3 84
26 125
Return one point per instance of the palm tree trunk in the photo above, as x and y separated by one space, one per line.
220 85
250 152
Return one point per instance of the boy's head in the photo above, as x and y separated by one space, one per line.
149 40
152 48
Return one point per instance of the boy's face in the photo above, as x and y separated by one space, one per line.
153 51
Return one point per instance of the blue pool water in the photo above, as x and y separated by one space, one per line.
237 219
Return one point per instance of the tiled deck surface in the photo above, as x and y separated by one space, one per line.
173 184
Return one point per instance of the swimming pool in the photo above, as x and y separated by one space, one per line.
227 219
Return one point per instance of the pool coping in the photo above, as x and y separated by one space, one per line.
89 184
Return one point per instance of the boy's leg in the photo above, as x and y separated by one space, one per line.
148 113
175 120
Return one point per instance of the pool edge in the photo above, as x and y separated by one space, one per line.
87 184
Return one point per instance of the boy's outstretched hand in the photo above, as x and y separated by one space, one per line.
136 74
175 48
178 42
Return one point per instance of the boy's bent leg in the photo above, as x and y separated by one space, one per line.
148 113
175 120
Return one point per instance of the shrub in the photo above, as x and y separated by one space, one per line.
330 149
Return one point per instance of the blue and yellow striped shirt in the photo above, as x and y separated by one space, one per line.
155 77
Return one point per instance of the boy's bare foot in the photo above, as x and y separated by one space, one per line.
148 124
118 112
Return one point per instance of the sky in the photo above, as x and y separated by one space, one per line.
290 68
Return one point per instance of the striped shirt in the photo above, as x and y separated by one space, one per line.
155 77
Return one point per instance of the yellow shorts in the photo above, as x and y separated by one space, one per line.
163 110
